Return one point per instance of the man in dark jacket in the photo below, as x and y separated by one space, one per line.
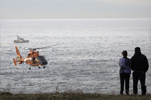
139 65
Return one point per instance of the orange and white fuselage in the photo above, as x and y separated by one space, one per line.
33 58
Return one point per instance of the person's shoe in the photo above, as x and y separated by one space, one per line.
127 92
121 93
143 93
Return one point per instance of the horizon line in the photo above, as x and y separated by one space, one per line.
79 18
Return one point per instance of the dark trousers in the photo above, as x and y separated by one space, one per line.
139 76
124 78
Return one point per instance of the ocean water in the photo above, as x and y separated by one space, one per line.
83 56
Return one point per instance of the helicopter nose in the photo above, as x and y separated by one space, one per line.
45 63
42 60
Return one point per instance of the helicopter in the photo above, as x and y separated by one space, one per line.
33 58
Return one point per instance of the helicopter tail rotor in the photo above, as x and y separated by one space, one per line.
18 58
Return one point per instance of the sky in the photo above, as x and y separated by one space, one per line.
64 9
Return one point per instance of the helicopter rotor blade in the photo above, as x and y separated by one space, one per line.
43 47
50 46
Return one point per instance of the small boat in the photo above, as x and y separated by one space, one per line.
20 40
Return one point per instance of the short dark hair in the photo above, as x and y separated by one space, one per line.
137 49
124 53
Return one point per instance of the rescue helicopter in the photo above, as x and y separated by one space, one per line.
33 58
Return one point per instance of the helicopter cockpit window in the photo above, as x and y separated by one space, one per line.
41 59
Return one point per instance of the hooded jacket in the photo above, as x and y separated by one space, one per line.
139 62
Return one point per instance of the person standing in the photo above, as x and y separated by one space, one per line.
125 71
139 65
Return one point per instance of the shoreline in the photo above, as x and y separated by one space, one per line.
71 96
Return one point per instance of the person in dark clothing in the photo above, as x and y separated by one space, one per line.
125 71
139 65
